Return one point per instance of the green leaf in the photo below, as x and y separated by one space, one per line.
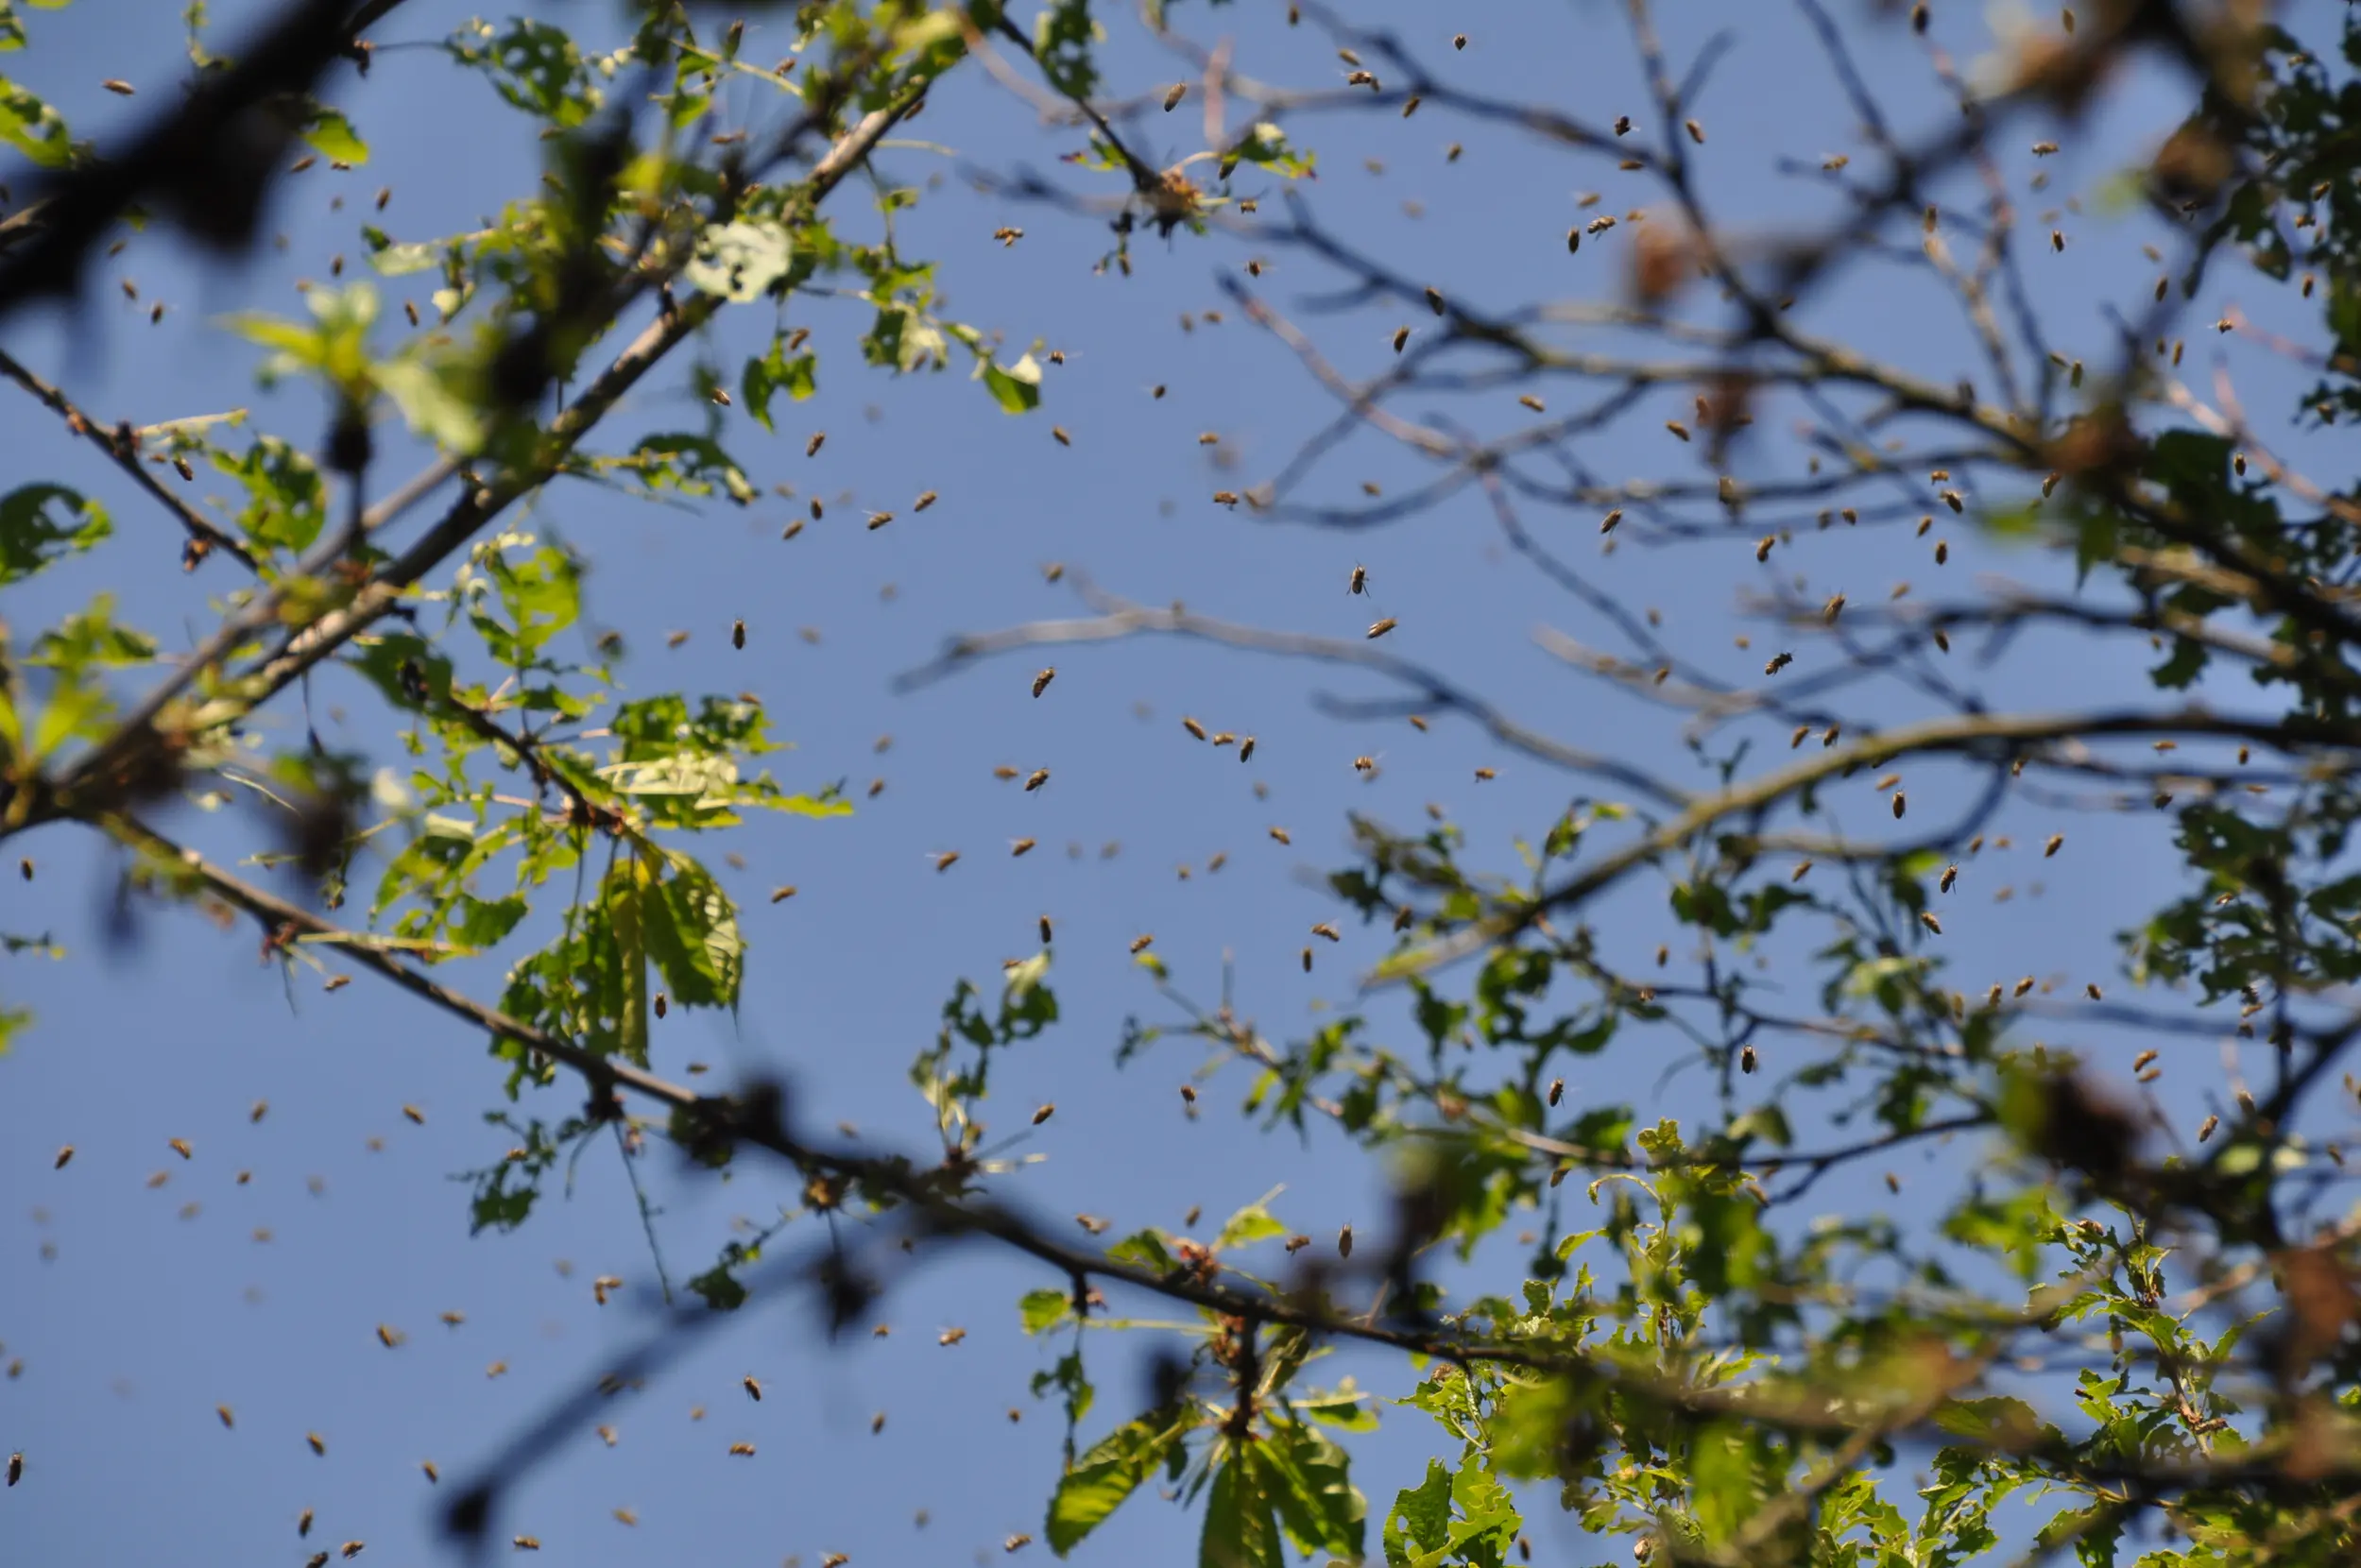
91 639
433 403
1015 387
1240 1531
1104 1478
32 128
1308 1479
286 500
327 132
1064 37
1722 1480
693 465
692 934
1143 1250
1420 1518
1345 1408
1266 144
720 1289
767 376
535 66
1249 1225
739 261
32 538
483 925
627 894
1043 1309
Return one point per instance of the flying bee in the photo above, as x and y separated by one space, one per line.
1092 1223
753 1387
2092 991
737 634
65 1155
811 447
303 1524
1020 846
1365 764
1173 94
1045 930
1004 772
1059 432
1041 681
1778 662
951 1337
1380 628
1359 583
1901 804
1038 777
319 1445
924 502
1044 1113
1484 776
1950 874
1834 607
1142 943
2206 1130
1193 727
743 1450
1307 961
1402 337
525 1543
1926 918
1280 834
1324 929
781 893
389 1335
1245 748
947 860
1403 916
2056 841
181 1147
1606 524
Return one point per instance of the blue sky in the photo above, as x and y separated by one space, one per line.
148 1316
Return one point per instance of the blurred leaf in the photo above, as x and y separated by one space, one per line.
327 132
1240 1530
31 537
1015 387
32 128
1102 1479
